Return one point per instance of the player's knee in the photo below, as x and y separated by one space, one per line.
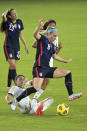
13 66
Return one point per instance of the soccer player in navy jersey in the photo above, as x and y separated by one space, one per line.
12 26
57 47
41 68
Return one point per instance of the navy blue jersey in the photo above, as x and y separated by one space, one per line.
45 49
12 33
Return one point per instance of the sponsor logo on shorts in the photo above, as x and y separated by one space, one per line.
10 55
40 74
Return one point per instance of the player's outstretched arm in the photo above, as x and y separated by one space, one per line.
58 58
37 36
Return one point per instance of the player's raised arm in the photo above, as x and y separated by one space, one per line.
36 33
58 58
4 18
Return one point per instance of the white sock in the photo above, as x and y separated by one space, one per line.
38 94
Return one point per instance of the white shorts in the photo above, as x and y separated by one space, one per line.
24 106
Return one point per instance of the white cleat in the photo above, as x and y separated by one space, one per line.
75 96
47 103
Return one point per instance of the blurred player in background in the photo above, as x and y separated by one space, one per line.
12 26
26 105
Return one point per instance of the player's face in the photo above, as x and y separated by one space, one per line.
20 81
52 36
14 15
52 24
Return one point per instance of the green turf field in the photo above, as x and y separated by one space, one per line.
71 18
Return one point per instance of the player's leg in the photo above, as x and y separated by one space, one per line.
37 85
43 105
58 73
12 71
47 103
10 57
44 85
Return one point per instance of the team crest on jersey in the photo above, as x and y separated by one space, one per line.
48 47
15 25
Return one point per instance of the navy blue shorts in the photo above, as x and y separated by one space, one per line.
11 53
43 72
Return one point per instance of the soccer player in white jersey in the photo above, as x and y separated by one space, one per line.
26 105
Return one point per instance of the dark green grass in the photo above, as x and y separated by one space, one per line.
71 18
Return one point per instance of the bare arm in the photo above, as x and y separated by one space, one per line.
58 48
34 45
8 99
37 36
58 58
24 42
4 18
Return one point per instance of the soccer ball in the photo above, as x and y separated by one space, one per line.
62 109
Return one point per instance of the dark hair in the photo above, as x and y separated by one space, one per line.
9 13
18 77
47 23
3 24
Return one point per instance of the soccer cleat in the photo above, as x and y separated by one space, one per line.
47 103
13 105
39 111
75 96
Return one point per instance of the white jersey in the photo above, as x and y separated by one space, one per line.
25 104
56 45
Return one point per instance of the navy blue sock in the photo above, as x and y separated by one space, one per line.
14 74
9 78
68 83
27 92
